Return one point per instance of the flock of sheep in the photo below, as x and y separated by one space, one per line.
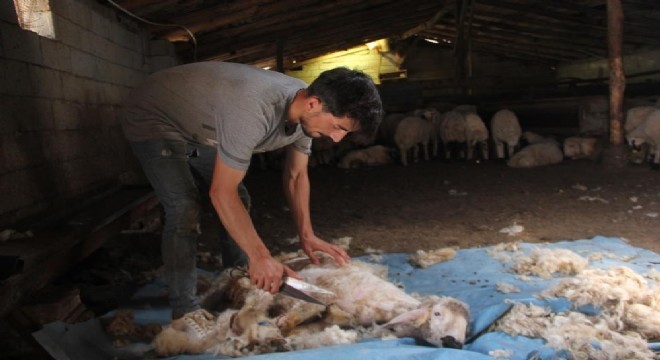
461 133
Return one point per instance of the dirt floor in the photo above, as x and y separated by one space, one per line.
392 208
435 204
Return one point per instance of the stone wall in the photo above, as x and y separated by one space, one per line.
60 139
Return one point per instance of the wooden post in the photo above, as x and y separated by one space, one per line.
617 73
460 46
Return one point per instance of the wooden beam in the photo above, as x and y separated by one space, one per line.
617 74
326 33
428 24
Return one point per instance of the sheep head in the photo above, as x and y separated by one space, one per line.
440 321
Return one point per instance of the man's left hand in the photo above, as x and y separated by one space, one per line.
313 243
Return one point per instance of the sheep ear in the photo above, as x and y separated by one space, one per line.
413 317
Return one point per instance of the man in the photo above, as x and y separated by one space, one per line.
205 120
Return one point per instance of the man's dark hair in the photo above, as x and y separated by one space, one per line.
352 94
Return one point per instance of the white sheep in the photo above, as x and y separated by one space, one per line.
363 300
387 128
582 148
534 138
369 298
635 116
476 135
452 133
410 134
371 156
432 115
505 130
647 132
466 109
539 154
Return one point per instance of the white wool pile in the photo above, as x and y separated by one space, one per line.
643 319
604 288
506 288
332 335
584 336
654 275
370 250
624 296
343 242
500 353
544 262
425 259
503 252
525 320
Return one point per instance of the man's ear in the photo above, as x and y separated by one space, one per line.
313 103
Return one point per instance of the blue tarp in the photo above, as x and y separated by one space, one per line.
471 277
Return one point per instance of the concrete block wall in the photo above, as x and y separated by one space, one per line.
60 97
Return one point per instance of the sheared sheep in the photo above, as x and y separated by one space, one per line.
364 300
476 135
505 130
410 134
371 156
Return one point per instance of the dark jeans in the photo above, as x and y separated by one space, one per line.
180 173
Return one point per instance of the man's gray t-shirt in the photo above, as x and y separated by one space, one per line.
239 108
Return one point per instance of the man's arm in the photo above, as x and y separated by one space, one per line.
265 272
296 189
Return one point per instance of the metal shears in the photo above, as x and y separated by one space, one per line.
302 290
298 289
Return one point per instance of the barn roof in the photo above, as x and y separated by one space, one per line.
252 31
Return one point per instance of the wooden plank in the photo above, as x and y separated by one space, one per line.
52 251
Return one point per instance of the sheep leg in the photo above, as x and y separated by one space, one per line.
416 153
426 151
499 148
510 150
462 150
297 314
470 151
435 147
404 156
484 150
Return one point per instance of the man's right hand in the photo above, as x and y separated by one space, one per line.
266 274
